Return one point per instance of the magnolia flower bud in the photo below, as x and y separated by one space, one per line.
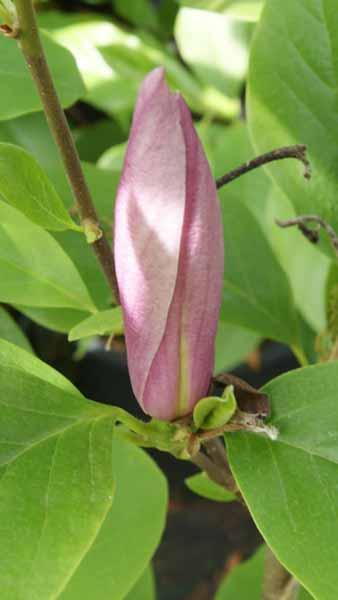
168 253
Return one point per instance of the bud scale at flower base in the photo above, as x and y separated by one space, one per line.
168 245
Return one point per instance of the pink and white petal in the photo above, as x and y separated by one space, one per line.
181 370
201 264
149 216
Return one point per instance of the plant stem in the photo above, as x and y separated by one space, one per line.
30 44
278 583
312 234
298 152
215 465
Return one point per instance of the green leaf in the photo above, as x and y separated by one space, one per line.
94 139
206 40
32 133
34 269
140 12
256 292
14 358
249 10
113 158
298 517
32 192
106 322
56 319
130 533
306 268
297 103
146 14
60 467
10 331
57 481
18 93
144 589
233 345
113 63
247 576
203 486
215 411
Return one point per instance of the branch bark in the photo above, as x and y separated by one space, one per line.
312 234
30 44
298 152
278 583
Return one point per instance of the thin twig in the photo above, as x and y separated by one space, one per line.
219 474
291 590
276 578
312 234
30 44
298 152
215 465
216 451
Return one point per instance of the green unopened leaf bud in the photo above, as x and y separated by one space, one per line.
214 411
8 13
92 231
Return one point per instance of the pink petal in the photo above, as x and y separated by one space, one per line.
149 216
173 388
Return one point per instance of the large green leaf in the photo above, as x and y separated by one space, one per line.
206 41
113 63
306 268
87 265
60 467
14 358
130 533
31 191
57 479
144 589
244 9
155 16
298 517
256 292
34 269
142 13
106 322
18 93
10 331
31 132
297 101
233 345
56 319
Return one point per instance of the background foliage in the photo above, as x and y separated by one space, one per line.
254 80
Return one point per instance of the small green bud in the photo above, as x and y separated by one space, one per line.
8 13
92 231
214 411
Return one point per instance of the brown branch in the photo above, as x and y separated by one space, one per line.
276 578
215 464
312 234
298 152
30 44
